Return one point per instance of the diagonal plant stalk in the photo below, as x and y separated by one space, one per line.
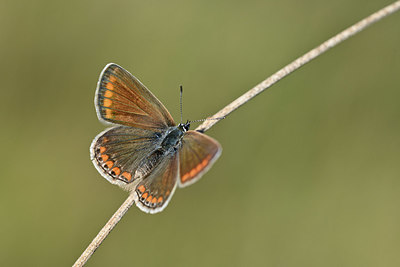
296 64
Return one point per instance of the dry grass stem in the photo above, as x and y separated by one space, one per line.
359 26
105 231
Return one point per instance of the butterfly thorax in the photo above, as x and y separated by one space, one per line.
172 139
174 136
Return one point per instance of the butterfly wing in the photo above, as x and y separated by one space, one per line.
117 152
155 190
123 99
197 154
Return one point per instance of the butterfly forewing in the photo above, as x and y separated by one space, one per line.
156 189
123 99
197 154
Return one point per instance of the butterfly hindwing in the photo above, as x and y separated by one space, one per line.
197 154
123 99
118 151
156 189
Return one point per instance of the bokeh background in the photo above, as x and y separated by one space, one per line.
309 175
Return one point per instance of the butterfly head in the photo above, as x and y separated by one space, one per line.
184 127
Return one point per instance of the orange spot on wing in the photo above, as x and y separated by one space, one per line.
108 94
141 188
144 195
109 86
104 157
102 149
160 199
107 102
127 175
105 140
185 177
149 198
199 167
204 163
112 78
109 164
193 172
154 200
109 113
116 170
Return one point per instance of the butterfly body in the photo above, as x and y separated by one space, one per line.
170 144
146 154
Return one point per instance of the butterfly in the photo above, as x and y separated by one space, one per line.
145 152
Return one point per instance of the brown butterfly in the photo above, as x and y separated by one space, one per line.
145 152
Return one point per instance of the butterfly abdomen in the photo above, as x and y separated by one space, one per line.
149 163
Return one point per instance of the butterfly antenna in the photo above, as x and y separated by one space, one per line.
208 119
181 102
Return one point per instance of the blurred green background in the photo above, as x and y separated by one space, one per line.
309 175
